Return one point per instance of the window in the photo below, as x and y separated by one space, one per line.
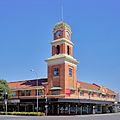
39 92
56 72
104 96
57 49
28 92
14 93
81 93
98 94
68 50
90 93
70 72
55 92
22 93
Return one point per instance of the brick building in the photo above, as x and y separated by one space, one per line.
63 92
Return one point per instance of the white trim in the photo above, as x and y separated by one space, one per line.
71 64
62 41
62 58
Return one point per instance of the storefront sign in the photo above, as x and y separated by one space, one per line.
68 92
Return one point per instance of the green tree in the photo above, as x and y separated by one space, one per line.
4 88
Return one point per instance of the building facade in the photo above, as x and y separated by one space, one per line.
61 93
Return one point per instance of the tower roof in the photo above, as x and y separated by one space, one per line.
62 24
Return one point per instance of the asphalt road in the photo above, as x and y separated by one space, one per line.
114 116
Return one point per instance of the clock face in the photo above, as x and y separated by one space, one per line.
67 34
58 34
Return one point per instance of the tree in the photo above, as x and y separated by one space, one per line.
4 89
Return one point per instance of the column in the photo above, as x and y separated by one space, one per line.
18 107
87 109
69 108
58 109
25 108
52 109
100 108
33 107
76 109
81 110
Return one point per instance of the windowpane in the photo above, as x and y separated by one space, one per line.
70 72
81 93
22 93
98 94
28 92
14 93
39 92
56 72
89 92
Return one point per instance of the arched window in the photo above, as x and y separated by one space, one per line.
57 49
68 50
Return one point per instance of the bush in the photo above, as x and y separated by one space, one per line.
23 113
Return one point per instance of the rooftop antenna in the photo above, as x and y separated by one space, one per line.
61 10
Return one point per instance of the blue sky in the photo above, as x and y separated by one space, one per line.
26 30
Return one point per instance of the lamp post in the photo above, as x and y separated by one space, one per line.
36 85
46 106
46 99
5 100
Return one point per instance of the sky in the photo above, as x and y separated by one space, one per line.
26 31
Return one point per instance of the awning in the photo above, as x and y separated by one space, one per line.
55 88
84 101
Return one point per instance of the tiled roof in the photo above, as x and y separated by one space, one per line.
31 84
110 92
83 85
95 87
26 84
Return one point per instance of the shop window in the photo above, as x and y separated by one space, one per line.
22 93
57 49
28 92
56 72
68 50
70 72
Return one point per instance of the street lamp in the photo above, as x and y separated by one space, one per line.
46 99
46 106
5 100
36 85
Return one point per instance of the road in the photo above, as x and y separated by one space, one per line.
113 116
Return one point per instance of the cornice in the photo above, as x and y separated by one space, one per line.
61 58
62 41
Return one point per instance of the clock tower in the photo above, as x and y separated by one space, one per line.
62 66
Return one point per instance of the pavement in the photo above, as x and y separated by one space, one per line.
113 116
